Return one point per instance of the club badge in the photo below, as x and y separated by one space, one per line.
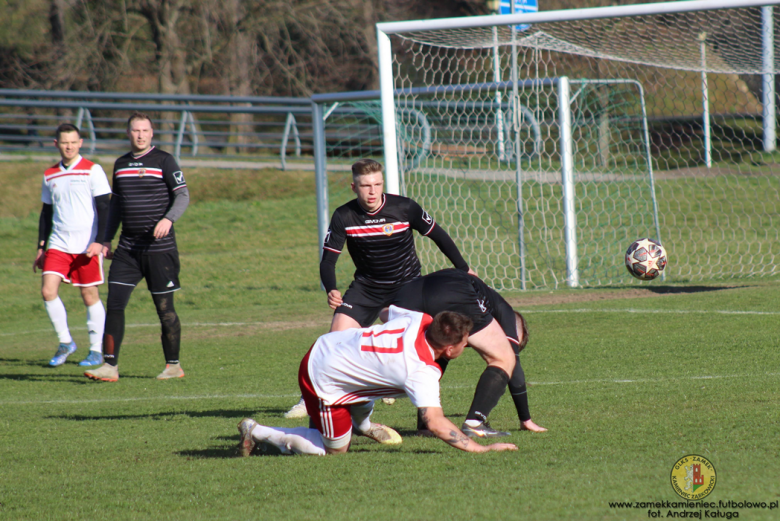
693 477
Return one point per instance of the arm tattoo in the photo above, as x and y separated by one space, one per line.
458 438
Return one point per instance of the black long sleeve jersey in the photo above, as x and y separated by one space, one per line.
143 189
380 243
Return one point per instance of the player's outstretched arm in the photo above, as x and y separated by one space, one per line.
445 430
447 246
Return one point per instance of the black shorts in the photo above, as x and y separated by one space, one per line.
446 290
500 310
363 301
161 270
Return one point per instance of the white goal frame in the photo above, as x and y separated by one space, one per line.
387 85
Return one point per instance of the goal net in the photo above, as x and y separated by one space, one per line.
547 143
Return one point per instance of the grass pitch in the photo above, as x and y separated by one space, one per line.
626 386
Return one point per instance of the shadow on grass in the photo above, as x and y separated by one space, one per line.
681 290
30 363
212 453
228 452
234 414
78 378
673 290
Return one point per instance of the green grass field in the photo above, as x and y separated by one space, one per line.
626 379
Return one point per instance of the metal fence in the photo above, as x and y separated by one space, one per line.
258 128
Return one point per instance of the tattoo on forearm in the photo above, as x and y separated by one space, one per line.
458 438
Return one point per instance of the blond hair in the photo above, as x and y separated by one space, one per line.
366 167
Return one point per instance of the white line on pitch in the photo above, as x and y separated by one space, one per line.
654 311
296 395
153 398
652 380
526 311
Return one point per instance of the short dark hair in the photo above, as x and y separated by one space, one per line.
66 127
522 328
139 115
366 167
447 329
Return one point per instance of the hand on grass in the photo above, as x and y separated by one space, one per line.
500 447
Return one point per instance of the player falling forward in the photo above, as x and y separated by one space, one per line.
346 371
498 335
377 229
75 195
150 194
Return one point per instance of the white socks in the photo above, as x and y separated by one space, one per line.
59 319
361 416
299 440
96 322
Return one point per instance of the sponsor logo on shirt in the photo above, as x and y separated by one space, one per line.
481 304
375 221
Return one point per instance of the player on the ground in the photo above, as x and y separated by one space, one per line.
499 333
75 195
346 371
149 196
377 229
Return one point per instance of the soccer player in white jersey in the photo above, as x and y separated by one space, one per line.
344 372
75 195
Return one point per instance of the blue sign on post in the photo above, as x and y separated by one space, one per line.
521 6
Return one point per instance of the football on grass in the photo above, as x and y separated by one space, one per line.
645 259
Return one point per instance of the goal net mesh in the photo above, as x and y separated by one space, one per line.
480 145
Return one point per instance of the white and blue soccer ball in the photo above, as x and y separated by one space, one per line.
646 259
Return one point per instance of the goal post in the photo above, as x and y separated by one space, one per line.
668 132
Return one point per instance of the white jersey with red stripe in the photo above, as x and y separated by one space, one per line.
388 360
71 192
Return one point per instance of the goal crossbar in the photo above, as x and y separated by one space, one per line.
567 15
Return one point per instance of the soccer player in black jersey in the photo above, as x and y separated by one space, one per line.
377 229
149 195
498 332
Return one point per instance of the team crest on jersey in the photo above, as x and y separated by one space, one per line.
387 229
141 172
